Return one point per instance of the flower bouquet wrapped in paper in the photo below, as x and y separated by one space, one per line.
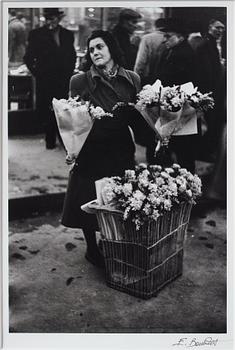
75 119
172 110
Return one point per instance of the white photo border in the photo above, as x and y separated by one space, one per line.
116 341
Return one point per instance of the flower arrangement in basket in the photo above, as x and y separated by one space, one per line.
146 193
75 118
172 110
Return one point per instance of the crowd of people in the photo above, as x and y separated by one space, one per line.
114 70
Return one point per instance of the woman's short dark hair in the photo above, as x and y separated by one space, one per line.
112 44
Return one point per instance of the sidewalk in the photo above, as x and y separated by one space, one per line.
34 170
37 177
54 289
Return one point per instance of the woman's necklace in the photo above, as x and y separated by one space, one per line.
111 73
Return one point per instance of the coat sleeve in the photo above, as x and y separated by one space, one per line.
77 85
144 135
72 55
30 57
142 60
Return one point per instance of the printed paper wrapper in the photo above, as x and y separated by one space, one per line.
74 125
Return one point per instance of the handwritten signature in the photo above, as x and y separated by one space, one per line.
190 343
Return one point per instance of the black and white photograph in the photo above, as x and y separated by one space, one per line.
117 197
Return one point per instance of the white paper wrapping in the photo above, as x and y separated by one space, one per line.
74 124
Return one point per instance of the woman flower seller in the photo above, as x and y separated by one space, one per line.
109 148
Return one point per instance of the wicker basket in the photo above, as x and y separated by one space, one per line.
139 282
142 262
113 227
142 256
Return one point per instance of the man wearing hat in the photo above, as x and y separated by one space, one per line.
178 66
51 57
127 24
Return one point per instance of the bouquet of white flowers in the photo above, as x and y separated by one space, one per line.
75 118
148 192
172 110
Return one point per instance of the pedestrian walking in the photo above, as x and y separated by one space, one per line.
148 56
51 57
109 148
124 29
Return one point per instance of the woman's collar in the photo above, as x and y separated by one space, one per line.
121 72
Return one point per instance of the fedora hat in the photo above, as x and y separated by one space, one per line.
52 12
127 13
175 25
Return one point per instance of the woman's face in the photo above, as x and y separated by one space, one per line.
99 53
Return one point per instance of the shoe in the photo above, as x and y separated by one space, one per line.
96 260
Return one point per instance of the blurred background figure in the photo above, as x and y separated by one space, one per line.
127 24
211 76
195 33
216 190
146 65
148 55
177 66
177 63
16 39
51 57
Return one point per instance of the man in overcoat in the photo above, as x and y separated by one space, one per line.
51 57
177 66
211 76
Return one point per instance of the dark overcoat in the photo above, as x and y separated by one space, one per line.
209 68
129 50
51 64
109 148
211 77
178 66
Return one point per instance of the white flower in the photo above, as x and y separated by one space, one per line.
189 193
167 204
147 96
165 175
155 214
127 189
138 195
147 209
98 112
169 170
176 166
148 192
130 174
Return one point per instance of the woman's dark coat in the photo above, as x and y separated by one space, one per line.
109 148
